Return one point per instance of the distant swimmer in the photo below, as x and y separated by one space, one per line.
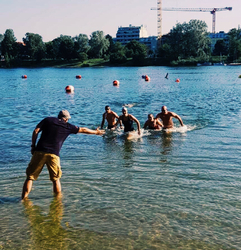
110 116
128 105
152 123
127 120
166 117
166 76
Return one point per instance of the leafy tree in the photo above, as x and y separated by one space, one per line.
117 54
63 47
220 48
66 49
99 44
112 44
81 46
1 38
35 46
189 40
234 45
136 51
8 45
50 50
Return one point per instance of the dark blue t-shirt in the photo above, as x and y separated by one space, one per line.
54 133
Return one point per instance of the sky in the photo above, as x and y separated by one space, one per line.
52 18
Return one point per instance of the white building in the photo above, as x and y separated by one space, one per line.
138 33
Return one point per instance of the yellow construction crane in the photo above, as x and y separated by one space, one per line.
159 14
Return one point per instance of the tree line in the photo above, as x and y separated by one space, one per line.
186 44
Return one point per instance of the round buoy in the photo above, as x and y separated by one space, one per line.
69 89
78 77
147 78
116 83
177 80
24 76
239 76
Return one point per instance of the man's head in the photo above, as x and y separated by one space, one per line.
150 117
107 108
124 110
64 114
164 109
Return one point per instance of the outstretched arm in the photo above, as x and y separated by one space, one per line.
90 131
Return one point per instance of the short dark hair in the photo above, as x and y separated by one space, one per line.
106 107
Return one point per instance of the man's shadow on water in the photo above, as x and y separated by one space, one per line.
46 230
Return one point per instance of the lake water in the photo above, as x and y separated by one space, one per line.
177 190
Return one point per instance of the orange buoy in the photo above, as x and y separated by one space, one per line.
147 78
24 76
78 77
116 83
69 89
177 80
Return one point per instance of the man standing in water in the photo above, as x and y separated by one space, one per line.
166 117
54 133
110 116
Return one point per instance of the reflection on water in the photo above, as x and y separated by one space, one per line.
166 138
46 229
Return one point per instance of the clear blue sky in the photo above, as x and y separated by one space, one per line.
51 18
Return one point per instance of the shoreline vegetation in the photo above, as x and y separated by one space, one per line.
101 62
187 44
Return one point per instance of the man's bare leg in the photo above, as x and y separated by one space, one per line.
57 187
27 186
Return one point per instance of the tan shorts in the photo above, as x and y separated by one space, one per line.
39 159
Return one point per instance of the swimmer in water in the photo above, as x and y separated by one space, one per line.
166 117
127 120
110 116
152 123
128 105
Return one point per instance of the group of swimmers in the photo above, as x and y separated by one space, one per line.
128 119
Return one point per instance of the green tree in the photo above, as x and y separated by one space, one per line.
35 46
234 52
63 47
220 48
117 54
112 44
99 44
1 38
188 40
66 49
50 50
136 51
9 45
81 46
